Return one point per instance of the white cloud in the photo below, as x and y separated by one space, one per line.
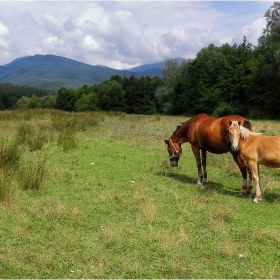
254 30
228 40
4 43
90 44
122 34
4 31
53 40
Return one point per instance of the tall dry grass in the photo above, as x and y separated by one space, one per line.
24 144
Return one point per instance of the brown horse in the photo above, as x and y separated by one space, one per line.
207 134
256 149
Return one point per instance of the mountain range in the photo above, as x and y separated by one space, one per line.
52 72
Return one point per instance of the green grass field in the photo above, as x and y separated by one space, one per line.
93 196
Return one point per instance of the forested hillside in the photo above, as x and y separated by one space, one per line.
239 79
10 94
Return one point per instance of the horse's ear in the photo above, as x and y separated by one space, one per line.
230 122
239 122
166 141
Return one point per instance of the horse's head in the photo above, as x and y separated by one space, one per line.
174 151
234 131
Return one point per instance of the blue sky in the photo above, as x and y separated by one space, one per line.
124 34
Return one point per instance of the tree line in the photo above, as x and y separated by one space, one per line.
239 79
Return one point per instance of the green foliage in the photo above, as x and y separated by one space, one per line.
87 102
11 94
168 93
269 48
33 102
49 101
223 109
111 96
140 95
65 99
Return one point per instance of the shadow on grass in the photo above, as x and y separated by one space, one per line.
218 187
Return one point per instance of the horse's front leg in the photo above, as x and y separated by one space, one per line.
245 189
196 153
203 153
256 177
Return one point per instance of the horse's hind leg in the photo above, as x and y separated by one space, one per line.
203 153
196 153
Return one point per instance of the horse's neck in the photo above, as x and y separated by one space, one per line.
244 142
181 135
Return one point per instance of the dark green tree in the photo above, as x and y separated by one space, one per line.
169 94
110 96
87 102
269 48
66 99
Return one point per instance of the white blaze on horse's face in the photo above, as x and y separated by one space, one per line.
234 135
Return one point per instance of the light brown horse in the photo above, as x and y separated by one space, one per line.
204 134
256 149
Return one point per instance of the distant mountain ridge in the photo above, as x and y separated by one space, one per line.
52 72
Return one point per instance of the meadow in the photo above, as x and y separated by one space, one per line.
92 195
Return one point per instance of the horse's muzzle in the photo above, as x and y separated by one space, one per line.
174 163
235 148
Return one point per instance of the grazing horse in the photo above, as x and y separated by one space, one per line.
255 149
204 134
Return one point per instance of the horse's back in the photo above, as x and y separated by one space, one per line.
265 150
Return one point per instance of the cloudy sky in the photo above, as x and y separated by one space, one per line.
124 34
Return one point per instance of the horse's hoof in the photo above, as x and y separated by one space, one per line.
198 183
255 200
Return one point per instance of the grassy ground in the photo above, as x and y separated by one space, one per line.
106 203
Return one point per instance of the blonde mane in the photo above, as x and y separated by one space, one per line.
245 132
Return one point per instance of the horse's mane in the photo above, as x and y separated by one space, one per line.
245 132
179 126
